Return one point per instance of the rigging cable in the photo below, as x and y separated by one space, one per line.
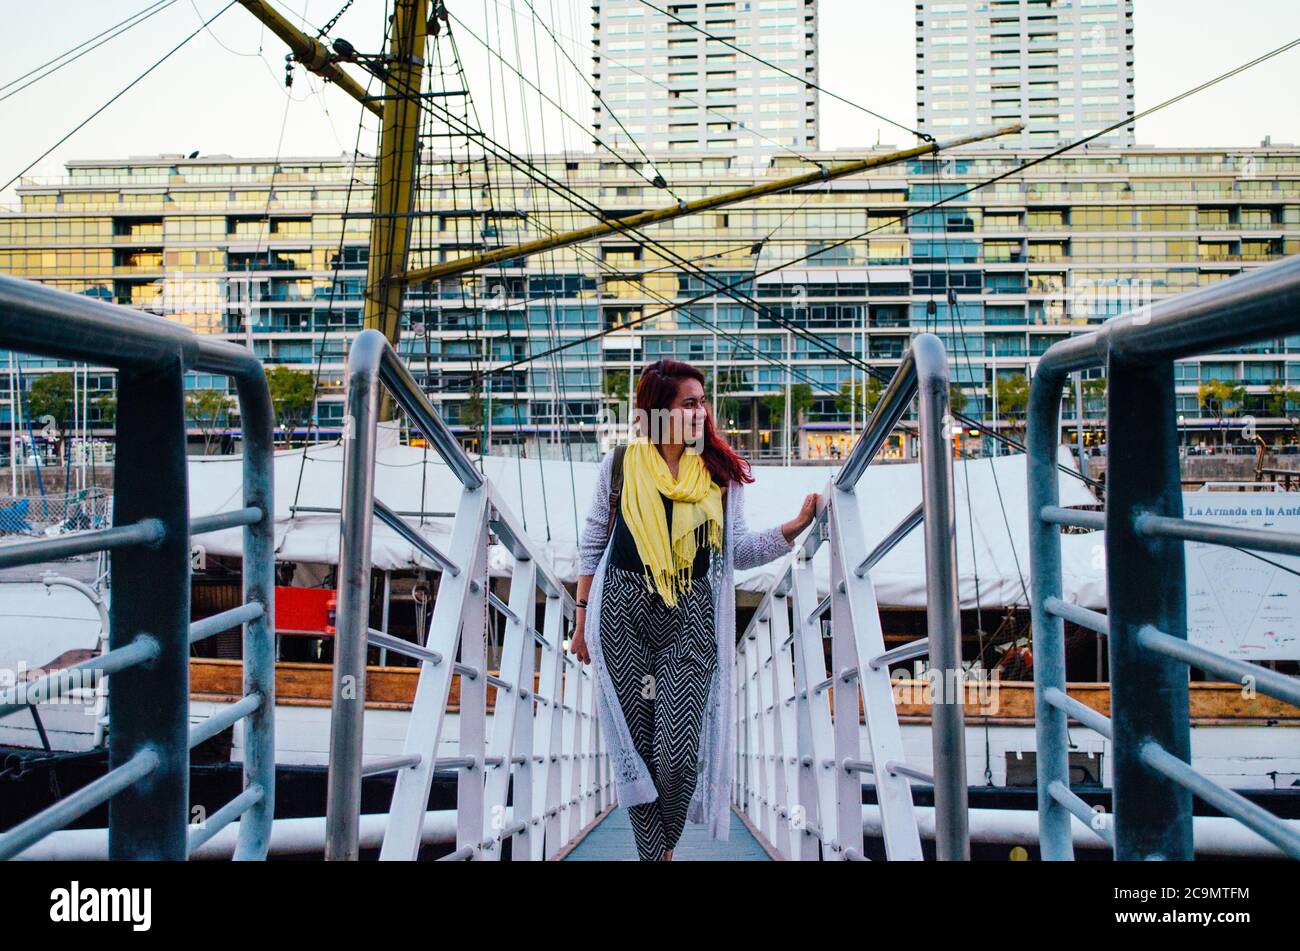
657 182
121 27
116 96
594 91
560 399
512 380
334 287
840 243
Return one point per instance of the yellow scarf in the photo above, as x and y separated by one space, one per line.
668 557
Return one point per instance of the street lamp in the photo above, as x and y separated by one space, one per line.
1181 421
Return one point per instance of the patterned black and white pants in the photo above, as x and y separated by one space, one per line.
661 660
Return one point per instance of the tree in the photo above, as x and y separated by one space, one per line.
51 395
292 394
1094 389
1281 399
726 407
1222 400
615 385
106 410
853 396
472 409
956 398
801 399
209 411
1013 399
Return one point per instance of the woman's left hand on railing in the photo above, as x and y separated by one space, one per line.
807 512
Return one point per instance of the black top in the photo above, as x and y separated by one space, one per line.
626 556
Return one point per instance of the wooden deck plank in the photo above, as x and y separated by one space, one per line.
612 841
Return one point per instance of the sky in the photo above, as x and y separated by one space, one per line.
223 92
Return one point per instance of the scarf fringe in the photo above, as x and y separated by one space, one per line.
677 580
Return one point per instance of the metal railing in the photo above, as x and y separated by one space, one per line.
549 759
1146 627
150 737
801 769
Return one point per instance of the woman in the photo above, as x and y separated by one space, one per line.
656 608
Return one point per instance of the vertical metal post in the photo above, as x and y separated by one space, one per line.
383 617
13 428
753 730
786 737
571 749
1146 585
817 780
550 730
1078 428
765 726
750 729
857 638
343 797
259 635
996 446
943 614
469 627
1052 740
789 357
515 642
149 704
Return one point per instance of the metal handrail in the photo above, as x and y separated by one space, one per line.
1146 625
462 599
149 625
923 372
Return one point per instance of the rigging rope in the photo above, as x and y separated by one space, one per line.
125 25
116 96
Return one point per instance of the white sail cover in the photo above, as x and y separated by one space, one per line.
546 492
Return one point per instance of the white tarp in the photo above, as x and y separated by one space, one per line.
544 494
1240 603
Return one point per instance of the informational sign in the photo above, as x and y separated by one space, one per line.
1241 603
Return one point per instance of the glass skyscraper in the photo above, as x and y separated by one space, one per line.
672 89
1064 68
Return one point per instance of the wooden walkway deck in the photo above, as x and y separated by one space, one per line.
610 840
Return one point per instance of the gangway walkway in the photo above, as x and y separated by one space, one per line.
537 775
610 840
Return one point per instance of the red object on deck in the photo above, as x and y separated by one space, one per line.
305 611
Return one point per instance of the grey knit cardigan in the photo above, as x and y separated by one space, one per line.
741 549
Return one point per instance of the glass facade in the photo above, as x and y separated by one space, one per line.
275 257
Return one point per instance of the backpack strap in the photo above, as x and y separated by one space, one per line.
615 486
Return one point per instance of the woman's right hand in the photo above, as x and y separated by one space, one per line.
579 642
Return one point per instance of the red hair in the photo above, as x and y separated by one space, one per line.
657 389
